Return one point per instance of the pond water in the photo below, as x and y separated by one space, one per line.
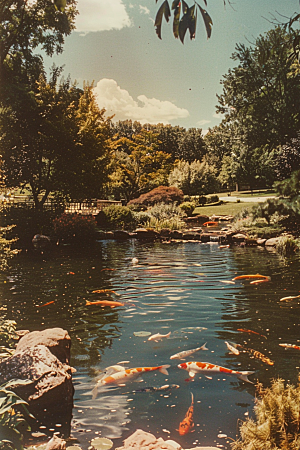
182 288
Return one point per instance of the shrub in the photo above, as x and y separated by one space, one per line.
202 200
276 424
161 194
28 222
213 199
287 245
74 228
188 207
165 216
116 217
141 218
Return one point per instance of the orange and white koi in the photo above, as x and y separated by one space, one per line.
296 347
249 277
243 330
123 376
289 299
158 337
232 348
187 424
207 369
257 355
184 354
110 303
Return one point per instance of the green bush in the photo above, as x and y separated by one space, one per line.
187 207
164 215
212 199
116 217
74 228
276 424
141 218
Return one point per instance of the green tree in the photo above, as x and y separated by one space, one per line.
195 178
139 165
55 141
26 25
191 145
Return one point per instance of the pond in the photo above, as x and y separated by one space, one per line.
184 288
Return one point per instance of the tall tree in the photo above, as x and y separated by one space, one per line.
56 141
195 178
141 167
25 25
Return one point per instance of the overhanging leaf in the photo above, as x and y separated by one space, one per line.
193 21
207 21
187 22
176 5
164 10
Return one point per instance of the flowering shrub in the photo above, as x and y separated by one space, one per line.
74 227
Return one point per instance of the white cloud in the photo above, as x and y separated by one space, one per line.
203 122
144 9
146 110
101 16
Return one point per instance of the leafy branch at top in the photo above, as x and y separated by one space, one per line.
184 18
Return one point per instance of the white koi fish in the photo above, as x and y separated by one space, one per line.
232 349
208 368
289 299
158 337
184 354
125 375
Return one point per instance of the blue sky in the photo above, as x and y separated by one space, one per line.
138 76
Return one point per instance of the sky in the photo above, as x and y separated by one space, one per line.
140 77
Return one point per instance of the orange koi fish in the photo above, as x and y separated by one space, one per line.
243 330
249 277
110 303
187 424
257 355
104 291
102 270
207 369
45 304
296 347
122 376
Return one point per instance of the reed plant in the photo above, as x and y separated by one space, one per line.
277 420
287 245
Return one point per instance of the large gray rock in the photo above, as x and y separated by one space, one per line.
49 391
56 340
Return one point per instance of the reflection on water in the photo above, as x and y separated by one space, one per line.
185 288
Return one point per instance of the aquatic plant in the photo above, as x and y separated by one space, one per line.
13 414
276 423
7 337
287 245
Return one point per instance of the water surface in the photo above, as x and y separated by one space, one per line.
177 287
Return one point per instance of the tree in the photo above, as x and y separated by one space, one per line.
191 145
55 141
139 165
287 158
26 25
195 178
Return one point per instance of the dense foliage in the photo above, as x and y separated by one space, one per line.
161 194
74 228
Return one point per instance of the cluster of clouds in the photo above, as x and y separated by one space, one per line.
95 15
119 102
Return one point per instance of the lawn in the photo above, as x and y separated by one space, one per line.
229 208
260 193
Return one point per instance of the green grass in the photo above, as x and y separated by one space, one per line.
229 208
